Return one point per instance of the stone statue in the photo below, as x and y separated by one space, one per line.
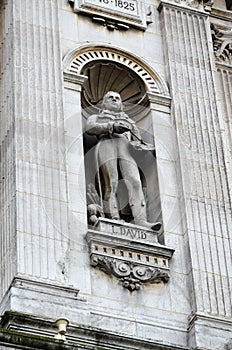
117 134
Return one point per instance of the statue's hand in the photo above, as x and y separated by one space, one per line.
120 127
142 146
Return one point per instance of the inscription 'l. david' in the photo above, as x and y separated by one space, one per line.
129 232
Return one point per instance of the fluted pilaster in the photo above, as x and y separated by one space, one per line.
7 148
42 220
189 55
34 193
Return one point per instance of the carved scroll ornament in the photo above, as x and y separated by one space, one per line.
131 274
222 44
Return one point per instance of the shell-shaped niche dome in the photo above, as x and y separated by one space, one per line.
104 76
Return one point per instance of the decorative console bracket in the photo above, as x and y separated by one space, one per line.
129 252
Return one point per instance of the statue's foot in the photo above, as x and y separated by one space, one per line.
117 218
155 226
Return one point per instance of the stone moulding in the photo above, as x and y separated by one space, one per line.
33 332
129 252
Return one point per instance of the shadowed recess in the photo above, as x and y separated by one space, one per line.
106 76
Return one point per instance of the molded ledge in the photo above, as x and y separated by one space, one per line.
31 332
74 81
218 330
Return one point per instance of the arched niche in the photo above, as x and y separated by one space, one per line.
97 69
76 59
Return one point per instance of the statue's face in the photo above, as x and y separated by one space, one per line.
113 102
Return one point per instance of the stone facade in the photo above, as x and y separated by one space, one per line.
56 58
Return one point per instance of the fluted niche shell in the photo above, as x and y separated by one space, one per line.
104 77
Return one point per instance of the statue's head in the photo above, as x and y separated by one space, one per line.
112 101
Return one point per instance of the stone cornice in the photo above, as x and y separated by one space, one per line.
39 332
214 321
223 66
221 14
74 81
159 99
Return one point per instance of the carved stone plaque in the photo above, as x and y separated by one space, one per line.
130 12
127 231
123 7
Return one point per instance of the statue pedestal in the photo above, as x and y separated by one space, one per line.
129 252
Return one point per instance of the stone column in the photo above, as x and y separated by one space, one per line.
35 216
189 58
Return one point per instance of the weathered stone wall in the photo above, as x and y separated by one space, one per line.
43 202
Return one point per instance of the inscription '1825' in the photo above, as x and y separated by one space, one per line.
126 6
129 232
120 4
